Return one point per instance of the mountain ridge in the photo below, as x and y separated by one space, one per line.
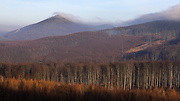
165 29
53 26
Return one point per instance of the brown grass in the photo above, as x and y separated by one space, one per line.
33 90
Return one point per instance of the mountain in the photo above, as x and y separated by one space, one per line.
164 29
53 26
83 46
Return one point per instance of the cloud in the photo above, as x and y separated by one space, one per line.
173 13
68 16
95 21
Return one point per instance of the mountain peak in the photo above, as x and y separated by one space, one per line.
66 18
57 19
53 26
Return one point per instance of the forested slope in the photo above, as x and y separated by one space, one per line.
84 46
168 51
165 29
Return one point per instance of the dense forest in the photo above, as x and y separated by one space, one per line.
125 75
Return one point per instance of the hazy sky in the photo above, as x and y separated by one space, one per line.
18 13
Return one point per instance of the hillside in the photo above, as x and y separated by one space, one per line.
167 51
164 29
83 46
56 25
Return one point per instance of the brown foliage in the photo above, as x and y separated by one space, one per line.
33 90
83 46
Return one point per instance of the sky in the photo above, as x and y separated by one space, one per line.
18 13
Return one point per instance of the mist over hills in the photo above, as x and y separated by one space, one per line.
56 25
169 14
63 24
61 39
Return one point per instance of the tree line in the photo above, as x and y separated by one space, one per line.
125 75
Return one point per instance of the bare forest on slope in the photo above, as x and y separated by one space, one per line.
125 75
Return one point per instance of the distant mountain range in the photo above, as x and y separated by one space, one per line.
54 26
149 41
166 29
